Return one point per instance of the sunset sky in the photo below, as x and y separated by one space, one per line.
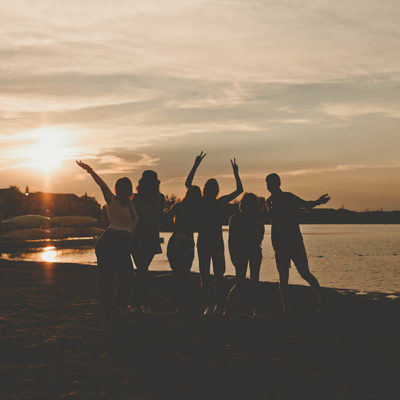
308 89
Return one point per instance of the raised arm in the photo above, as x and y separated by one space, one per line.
300 203
197 161
239 187
103 186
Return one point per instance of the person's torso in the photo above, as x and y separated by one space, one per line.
150 212
246 232
211 219
186 220
284 214
121 217
283 210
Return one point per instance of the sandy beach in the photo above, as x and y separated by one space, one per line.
54 344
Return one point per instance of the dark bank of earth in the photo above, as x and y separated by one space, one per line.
53 344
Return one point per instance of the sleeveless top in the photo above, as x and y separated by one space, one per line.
120 217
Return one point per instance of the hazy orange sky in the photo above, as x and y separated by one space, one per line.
308 89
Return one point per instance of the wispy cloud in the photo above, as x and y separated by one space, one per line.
200 39
341 168
294 121
349 110
111 164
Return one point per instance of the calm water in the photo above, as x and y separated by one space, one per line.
361 257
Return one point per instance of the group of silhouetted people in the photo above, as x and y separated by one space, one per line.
134 227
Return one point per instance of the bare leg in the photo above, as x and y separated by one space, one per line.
240 267
205 278
180 256
125 281
283 265
255 264
283 286
301 262
218 260
143 261
316 288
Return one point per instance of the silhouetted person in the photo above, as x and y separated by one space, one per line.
246 232
149 203
286 236
114 247
210 242
180 250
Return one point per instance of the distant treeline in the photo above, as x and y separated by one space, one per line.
343 216
13 202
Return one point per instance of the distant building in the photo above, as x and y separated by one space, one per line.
13 202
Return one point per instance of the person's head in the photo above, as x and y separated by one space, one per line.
211 189
192 196
250 204
149 184
123 189
273 182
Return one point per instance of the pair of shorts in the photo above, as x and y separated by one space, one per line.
146 242
293 251
244 259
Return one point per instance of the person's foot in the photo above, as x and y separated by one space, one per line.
146 310
134 310
219 309
227 313
207 311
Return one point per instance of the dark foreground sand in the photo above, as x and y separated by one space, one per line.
53 344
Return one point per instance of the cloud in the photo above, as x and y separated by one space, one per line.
340 168
347 110
285 109
112 164
294 121
277 41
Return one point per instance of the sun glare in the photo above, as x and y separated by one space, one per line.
50 150
49 254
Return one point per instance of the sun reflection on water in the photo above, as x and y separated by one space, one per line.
49 254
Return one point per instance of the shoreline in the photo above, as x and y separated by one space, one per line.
54 344
156 273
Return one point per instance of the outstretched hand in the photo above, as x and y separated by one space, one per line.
235 167
323 199
199 158
86 167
